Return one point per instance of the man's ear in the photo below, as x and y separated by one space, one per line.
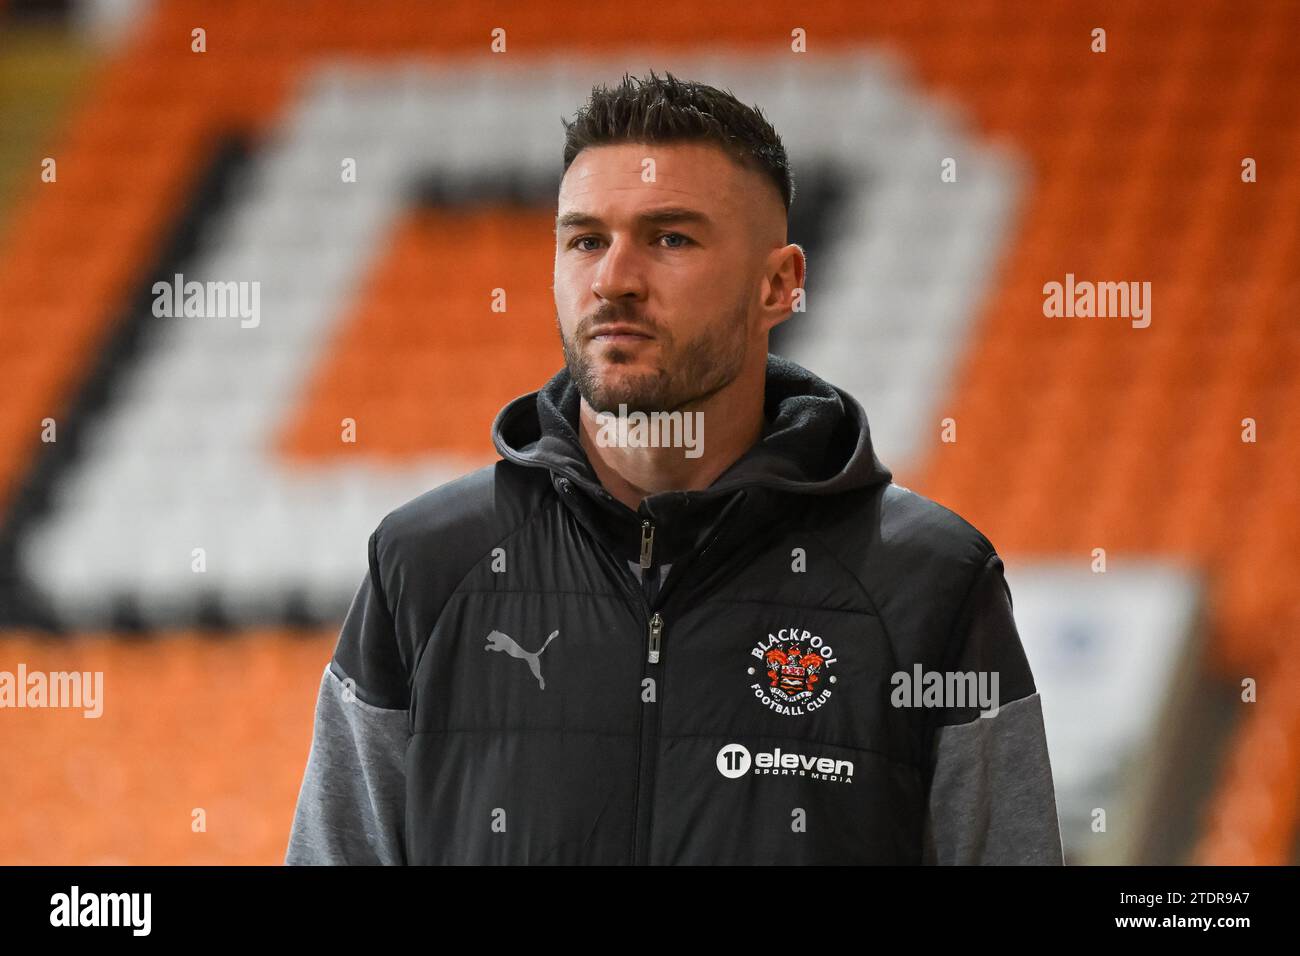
802 263
786 267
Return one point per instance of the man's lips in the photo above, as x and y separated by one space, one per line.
620 334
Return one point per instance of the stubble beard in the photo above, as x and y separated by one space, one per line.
688 374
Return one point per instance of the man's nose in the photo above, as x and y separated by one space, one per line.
619 273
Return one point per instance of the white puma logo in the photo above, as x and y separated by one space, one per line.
496 641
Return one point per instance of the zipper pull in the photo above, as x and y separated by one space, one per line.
647 542
656 630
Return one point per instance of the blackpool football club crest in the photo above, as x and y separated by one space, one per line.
792 671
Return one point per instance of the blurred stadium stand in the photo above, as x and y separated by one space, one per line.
925 301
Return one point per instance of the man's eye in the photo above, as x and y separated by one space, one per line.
685 241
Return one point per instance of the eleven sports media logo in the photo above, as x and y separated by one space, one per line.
734 760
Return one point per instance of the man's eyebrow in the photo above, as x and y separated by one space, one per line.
654 217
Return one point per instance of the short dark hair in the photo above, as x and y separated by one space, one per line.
664 109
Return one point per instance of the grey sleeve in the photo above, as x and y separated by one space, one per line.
351 806
991 798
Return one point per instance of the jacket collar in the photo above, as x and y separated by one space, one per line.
816 442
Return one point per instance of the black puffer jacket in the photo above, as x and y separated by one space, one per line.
533 673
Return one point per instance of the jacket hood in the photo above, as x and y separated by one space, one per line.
816 439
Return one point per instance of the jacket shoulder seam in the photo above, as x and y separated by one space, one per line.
866 593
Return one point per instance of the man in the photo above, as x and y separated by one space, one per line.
605 649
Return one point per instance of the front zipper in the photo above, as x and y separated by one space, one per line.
656 632
652 669
647 542
647 724
647 735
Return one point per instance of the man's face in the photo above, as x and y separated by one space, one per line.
656 278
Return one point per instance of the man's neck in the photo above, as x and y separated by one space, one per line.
734 419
